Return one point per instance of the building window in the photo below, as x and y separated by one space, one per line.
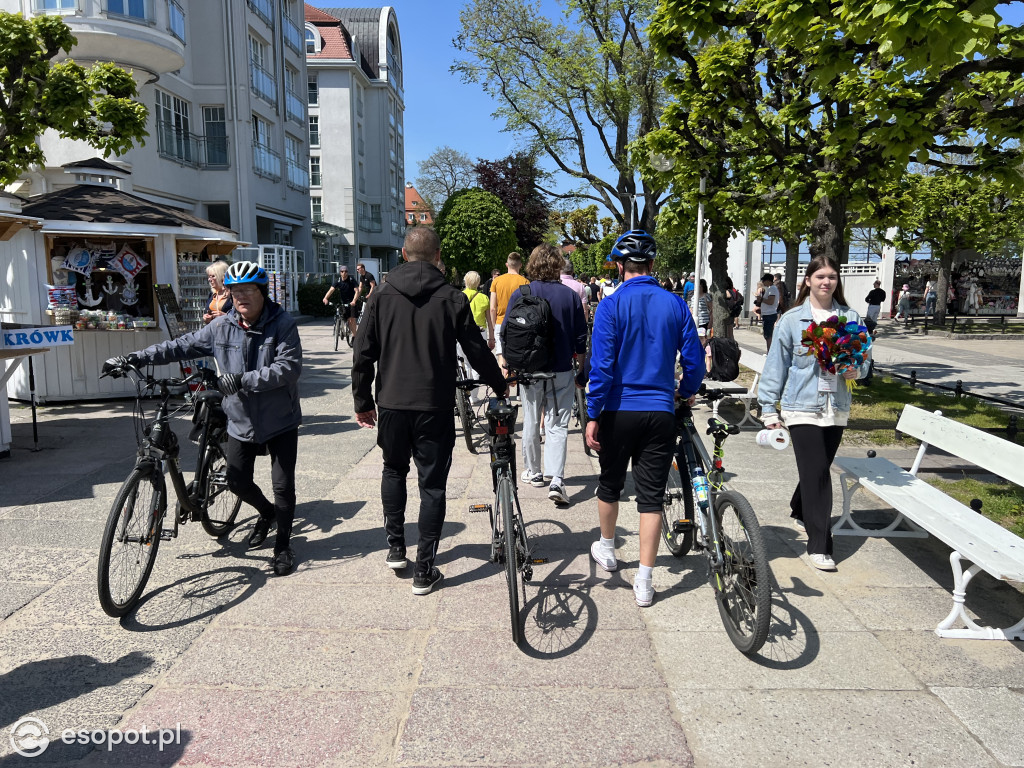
266 162
174 137
219 213
215 129
312 91
264 9
314 172
362 179
423 217
314 131
312 41
177 19
317 208
54 6
132 9
264 84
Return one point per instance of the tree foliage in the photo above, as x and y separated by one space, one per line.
96 105
579 90
515 181
954 211
442 174
476 231
820 104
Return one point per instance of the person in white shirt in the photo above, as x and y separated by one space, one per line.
769 307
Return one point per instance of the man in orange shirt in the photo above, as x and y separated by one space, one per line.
502 288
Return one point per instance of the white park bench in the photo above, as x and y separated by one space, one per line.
746 395
924 509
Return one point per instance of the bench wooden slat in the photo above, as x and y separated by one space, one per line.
997 550
998 456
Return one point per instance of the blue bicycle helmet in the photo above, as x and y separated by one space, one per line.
635 245
245 272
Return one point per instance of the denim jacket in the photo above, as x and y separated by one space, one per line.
790 374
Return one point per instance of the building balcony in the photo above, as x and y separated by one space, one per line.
295 107
264 9
264 84
294 37
205 152
298 177
371 224
141 35
266 162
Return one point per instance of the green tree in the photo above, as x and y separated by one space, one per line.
825 103
476 231
515 181
580 91
954 211
96 105
442 174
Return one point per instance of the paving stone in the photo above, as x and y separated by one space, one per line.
728 728
993 716
516 727
944 662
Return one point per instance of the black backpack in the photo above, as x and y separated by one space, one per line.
725 360
527 333
735 303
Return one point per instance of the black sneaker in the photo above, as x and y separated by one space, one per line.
424 585
284 562
259 532
396 558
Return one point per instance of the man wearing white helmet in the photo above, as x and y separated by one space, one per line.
259 358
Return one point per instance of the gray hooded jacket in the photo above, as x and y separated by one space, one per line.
269 357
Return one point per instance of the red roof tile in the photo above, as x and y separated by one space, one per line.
315 15
334 37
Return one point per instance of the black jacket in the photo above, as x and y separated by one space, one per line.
408 331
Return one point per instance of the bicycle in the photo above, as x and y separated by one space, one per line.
134 526
730 539
342 330
579 408
509 545
463 406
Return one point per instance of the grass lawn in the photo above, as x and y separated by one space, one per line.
1002 502
876 409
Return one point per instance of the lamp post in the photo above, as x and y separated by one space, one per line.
632 208
701 251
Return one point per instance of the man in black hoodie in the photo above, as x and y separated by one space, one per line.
409 330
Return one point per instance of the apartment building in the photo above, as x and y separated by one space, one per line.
356 135
416 209
224 83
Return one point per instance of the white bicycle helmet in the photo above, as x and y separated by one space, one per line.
245 272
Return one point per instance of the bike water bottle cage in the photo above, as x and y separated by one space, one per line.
501 416
243 272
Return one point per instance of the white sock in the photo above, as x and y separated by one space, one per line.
644 574
608 544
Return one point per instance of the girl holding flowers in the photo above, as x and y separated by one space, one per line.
819 348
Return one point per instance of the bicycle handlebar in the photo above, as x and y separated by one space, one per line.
166 385
517 378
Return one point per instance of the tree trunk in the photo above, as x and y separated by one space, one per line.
793 276
942 286
828 232
718 260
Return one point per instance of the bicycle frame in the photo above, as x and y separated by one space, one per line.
694 455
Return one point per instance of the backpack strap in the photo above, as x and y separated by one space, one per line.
524 290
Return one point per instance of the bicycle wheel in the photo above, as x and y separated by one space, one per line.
348 334
678 506
465 417
131 540
582 418
220 505
743 589
337 331
507 514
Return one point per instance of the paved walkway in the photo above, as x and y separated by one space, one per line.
339 664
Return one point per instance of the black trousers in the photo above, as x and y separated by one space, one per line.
241 458
428 437
815 448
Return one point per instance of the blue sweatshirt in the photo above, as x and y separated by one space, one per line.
570 332
637 332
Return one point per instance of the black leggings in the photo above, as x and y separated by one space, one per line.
241 458
815 448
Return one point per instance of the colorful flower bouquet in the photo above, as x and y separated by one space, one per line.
837 344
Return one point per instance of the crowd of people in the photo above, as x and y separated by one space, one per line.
646 351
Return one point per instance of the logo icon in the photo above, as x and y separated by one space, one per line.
30 737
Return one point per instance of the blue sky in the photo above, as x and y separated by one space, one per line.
439 108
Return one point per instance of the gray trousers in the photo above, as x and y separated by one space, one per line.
555 398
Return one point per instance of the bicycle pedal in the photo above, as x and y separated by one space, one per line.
538 560
527 574
166 534
479 508
682 526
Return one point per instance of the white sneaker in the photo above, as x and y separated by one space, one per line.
643 591
799 525
558 495
534 479
603 557
823 562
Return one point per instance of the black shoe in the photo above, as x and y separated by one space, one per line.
424 585
396 558
259 532
283 562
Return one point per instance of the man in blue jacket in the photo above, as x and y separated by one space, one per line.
638 331
259 356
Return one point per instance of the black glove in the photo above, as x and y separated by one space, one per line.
230 383
116 366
